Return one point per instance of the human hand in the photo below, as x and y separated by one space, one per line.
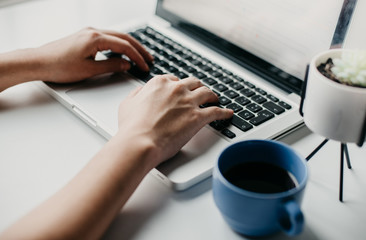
167 112
73 58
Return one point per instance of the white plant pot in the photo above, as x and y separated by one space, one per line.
333 110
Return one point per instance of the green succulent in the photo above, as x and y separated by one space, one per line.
350 68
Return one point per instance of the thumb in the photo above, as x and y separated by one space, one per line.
109 65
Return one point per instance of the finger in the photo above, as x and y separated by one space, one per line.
122 46
204 95
192 83
216 113
165 77
145 54
109 65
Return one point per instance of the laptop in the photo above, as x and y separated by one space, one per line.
253 54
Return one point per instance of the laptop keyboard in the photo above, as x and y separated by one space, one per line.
252 105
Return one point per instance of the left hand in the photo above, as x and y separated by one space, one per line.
73 58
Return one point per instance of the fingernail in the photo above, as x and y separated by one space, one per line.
146 67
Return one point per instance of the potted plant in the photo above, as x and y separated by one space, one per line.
334 100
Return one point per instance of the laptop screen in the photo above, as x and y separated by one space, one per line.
274 38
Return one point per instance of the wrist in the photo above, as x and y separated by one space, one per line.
20 66
140 148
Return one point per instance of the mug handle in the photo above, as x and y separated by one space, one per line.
292 221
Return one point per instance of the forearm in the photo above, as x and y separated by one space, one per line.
20 66
85 207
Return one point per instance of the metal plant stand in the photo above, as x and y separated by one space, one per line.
344 152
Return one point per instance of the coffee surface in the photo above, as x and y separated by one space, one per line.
260 177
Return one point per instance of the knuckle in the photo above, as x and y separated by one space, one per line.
179 88
159 78
88 28
196 115
92 34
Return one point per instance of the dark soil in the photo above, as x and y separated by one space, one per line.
326 70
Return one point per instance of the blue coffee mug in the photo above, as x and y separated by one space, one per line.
260 214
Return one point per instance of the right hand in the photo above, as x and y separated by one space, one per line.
167 111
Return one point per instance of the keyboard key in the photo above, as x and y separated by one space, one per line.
218 125
196 62
236 86
231 94
246 115
177 50
271 106
261 91
242 100
182 64
259 99
190 69
224 100
163 53
228 133
220 87
261 118
206 68
209 81
238 78
240 123
172 69
227 72
187 57
225 80
217 93
272 98
285 105
181 75
247 92
251 85
254 107
156 70
162 63
218 67
172 58
199 75
215 74
235 107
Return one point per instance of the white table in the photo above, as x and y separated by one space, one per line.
43 145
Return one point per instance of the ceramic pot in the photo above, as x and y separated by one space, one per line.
331 109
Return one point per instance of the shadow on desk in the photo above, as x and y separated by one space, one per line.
307 234
137 215
23 96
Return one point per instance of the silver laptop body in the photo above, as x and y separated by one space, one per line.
262 45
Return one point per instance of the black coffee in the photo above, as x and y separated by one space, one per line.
260 177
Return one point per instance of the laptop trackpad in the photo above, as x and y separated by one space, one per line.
101 96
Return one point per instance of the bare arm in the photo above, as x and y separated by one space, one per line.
71 59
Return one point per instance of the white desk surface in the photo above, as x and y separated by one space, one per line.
43 145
